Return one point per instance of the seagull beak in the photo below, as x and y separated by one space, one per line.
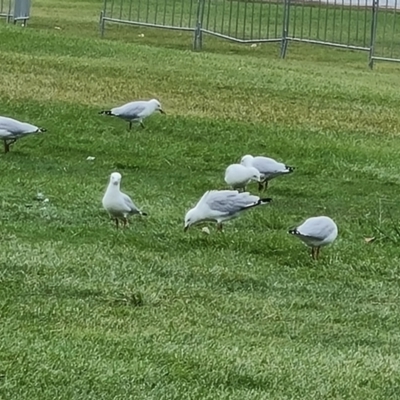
162 111
186 228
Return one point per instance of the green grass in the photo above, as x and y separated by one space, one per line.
88 312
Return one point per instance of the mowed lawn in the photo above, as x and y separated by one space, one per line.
151 312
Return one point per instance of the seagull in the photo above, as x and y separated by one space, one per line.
135 111
220 206
238 176
316 232
118 204
11 130
268 167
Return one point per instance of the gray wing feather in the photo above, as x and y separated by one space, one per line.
128 202
230 202
130 110
16 127
315 229
268 166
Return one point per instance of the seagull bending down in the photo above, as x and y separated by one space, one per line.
316 232
268 167
11 130
237 176
220 206
118 204
135 111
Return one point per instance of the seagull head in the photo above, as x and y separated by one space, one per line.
255 174
246 160
115 178
157 106
191 218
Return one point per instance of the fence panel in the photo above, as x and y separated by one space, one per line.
387 36
368 25
338 23
244 21
6 9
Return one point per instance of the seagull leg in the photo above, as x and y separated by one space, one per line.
130 125
219 227
142 124
317 252
116 223
262 186
6 147
126 224
314 253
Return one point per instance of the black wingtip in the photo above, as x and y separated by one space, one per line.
105 112
265 201
42 130
143 214
293 231
290 169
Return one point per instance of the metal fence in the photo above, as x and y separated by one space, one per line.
365 25
15 10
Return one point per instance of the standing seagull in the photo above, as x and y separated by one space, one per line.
11 130
316 232
237 176
268 167
220 206
118 204
135 111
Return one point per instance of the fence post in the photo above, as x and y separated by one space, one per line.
198 32
285 29
102 22
374 23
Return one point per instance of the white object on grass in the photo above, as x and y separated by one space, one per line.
316 232
220 206
11 130
237 176
118 204
268 167
135 111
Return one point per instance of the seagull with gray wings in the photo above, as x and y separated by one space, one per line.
11 130
135 111
268 167
118 204
220 206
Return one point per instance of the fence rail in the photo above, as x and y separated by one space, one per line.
364 25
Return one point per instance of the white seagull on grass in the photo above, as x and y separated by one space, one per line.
220 206
118 204
268 167
135 111
316 232
237 176
11 130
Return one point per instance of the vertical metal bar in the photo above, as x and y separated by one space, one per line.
138 9
230 19
334 22
302 19
190 13
374 23
318 18
260 21
252 22
294 20
365 24
112 8
358 18
165 11
130 10
182 8
310 23
341 22
244 19
277 15
348 25
215 16
393 28
326 21
173 12
237 17
155 12
147 10
121 6
208 14
223 17
102 16
285 30
197 37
